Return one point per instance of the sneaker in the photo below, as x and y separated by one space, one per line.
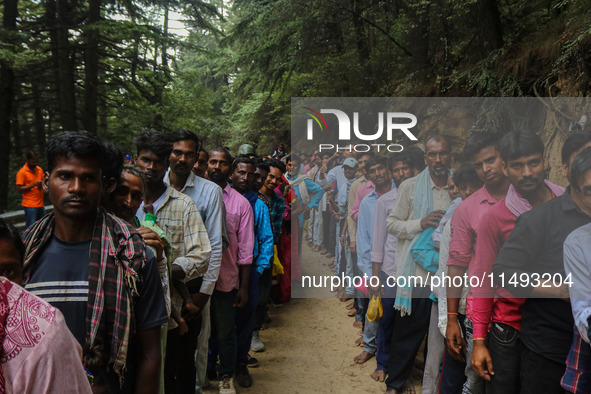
256 345
252 362
243 376
227 385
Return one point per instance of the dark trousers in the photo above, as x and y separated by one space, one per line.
265 282
223 332
408 334
540 374
245 318
453 373
386 326
504 347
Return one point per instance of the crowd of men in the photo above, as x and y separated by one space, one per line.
495 218
163 268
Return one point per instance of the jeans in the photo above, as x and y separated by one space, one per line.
33 214
408 334
386 325
540 374
245 318
473 384
223 332
504 347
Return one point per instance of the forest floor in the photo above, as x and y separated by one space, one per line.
310 346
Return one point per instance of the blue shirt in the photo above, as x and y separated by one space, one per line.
210 203
365 221
263 234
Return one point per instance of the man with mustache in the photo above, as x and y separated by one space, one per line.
523 156
270 173
179 217
242 179
420 204
535 249
482 149
231 290
208 198
92 266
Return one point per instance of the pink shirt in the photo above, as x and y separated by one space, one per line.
463 231
363 191
488 303
240 223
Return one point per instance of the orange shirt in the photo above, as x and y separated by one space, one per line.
32 198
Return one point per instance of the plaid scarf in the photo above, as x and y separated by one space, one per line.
115 258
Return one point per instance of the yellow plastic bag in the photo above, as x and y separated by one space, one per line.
375 310
277 267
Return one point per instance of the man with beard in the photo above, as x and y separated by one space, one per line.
420 204
231 290
179 217
208 198
92 266
523 156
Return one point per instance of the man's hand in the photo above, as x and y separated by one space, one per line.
456 345
481 361
343 240
353 246
376 290
432 219
200 299
190 311
241 298
152 239
183 327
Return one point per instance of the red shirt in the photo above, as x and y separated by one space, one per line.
492 304
464 224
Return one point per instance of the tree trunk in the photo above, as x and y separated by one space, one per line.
9 15
91 67
39 125
65 68
489 25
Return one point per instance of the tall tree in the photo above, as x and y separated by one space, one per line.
10 13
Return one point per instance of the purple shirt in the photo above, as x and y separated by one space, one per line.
383 244
240 223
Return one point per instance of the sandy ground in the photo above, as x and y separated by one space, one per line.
310 348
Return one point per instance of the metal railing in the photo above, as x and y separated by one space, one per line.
17 218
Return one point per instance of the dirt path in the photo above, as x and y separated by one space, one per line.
310 348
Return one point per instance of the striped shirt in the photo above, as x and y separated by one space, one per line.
179 217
